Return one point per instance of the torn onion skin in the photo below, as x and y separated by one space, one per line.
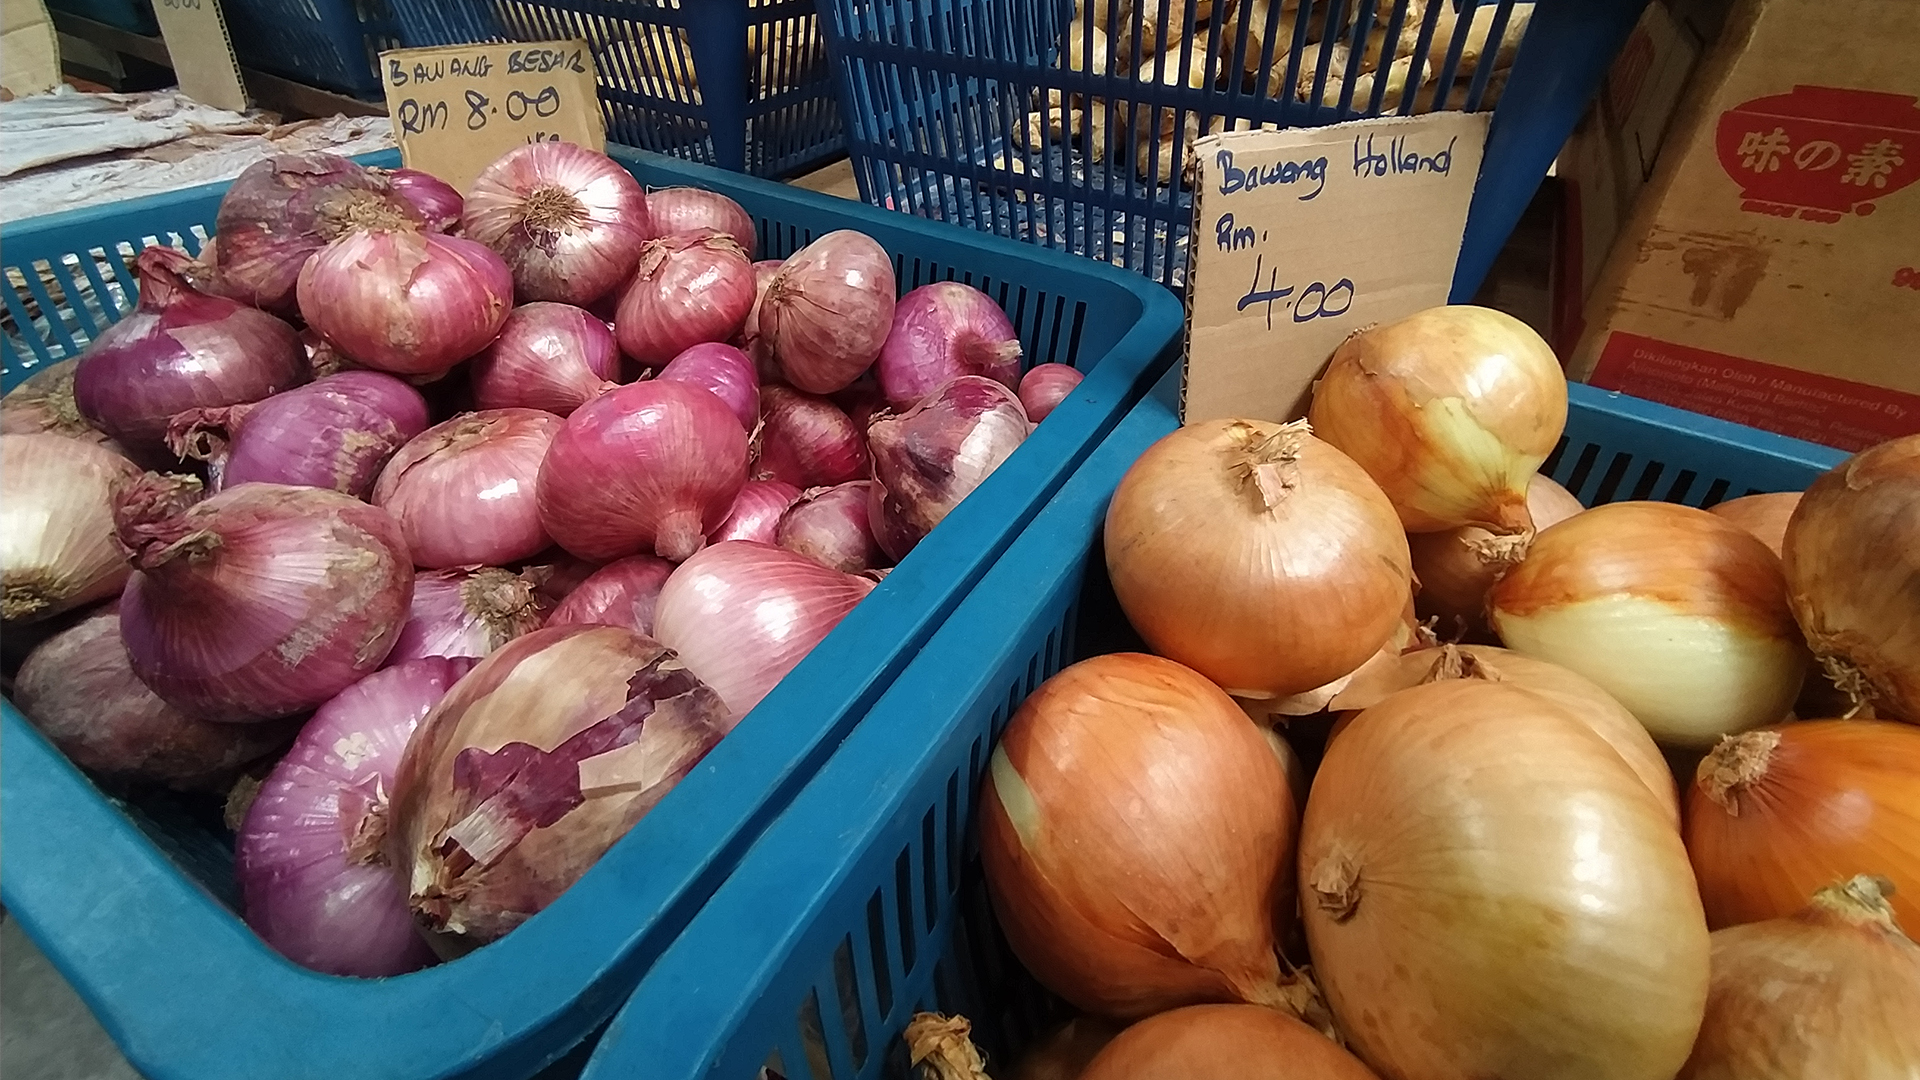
1224 1042
1776 813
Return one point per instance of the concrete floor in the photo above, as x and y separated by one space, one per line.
46 1032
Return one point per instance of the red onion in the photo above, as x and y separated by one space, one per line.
463 491
335 432
180 349
43 402
742 614
261 601
686 211
569 221
533 766
436 201
468 611
756 511
651 466
548 356
79 690
933 455
829 526
828 310
313 879
560 574
56 525
1045 386
621 593
406 301
280 211
723 371
757 348
689 290
807 441
940 332
860 401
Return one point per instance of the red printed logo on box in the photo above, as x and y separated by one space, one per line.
1820 152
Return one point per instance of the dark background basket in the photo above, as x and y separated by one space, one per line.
135 16
744 85
332 44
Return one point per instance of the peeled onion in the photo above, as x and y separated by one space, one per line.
807 441
1488 891
335 432
548 356
723 371
468 611
756 511
940 332
1852 561
1134 830
828 310
1451 410
463 492
56 524
1680 615
621 593
830 526
1765 516
1455 568
929 458
1224 1042
1258 555
688 290
399 300
1775 814
1045 386
686 211
568 221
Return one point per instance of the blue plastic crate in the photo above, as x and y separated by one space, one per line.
741 84
863 903
936 92
333 44
132 900
134 16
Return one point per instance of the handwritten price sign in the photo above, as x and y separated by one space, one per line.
1301 237
456 108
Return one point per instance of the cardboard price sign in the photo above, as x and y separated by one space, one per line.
457 108
195 33
1302 236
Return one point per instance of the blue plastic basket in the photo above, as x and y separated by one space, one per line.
863 903
132 900
134 16
763 101
334 44
936 94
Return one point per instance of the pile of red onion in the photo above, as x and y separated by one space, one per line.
500 511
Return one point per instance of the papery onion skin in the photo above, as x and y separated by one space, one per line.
687 291
757 348
1776 813
261 601
1224 1042
1489 891
79 690
830 526
929 458
1852 561
406 302
723 371
650 466
807 441
1829 991
43 403
686 211
336 432
1678 614
180 349
313 880
569 222
940 332
533 765
828 311
1045 386
467 611
435 199
1455 568
756 511
741 615
548 356
621 593
57 550
1450 409
463 491
1207 503
1765 516
278 212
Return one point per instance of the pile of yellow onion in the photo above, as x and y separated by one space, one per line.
1396 797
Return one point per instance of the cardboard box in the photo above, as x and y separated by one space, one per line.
1770 274
29 55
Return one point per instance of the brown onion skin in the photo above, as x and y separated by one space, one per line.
1830 991
1852 561
1779 812
1224 1042
1454 577
1765 515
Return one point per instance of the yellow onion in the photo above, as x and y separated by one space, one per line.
1577 694
1257 555
1408 634
1224 1042
1777 813
1489 892
1451 409
1679 615
1832 991
1455 568
1852 558
1064 1054
1765 515
56 524
1134 829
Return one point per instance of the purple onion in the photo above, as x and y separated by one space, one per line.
757 348
807 441
280 211
941 332
313 881
468 611
687 290
336 432
685 211
621 593
1045 386
180 349
756 511
829 526
549 356
435 199
723 371
933 455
